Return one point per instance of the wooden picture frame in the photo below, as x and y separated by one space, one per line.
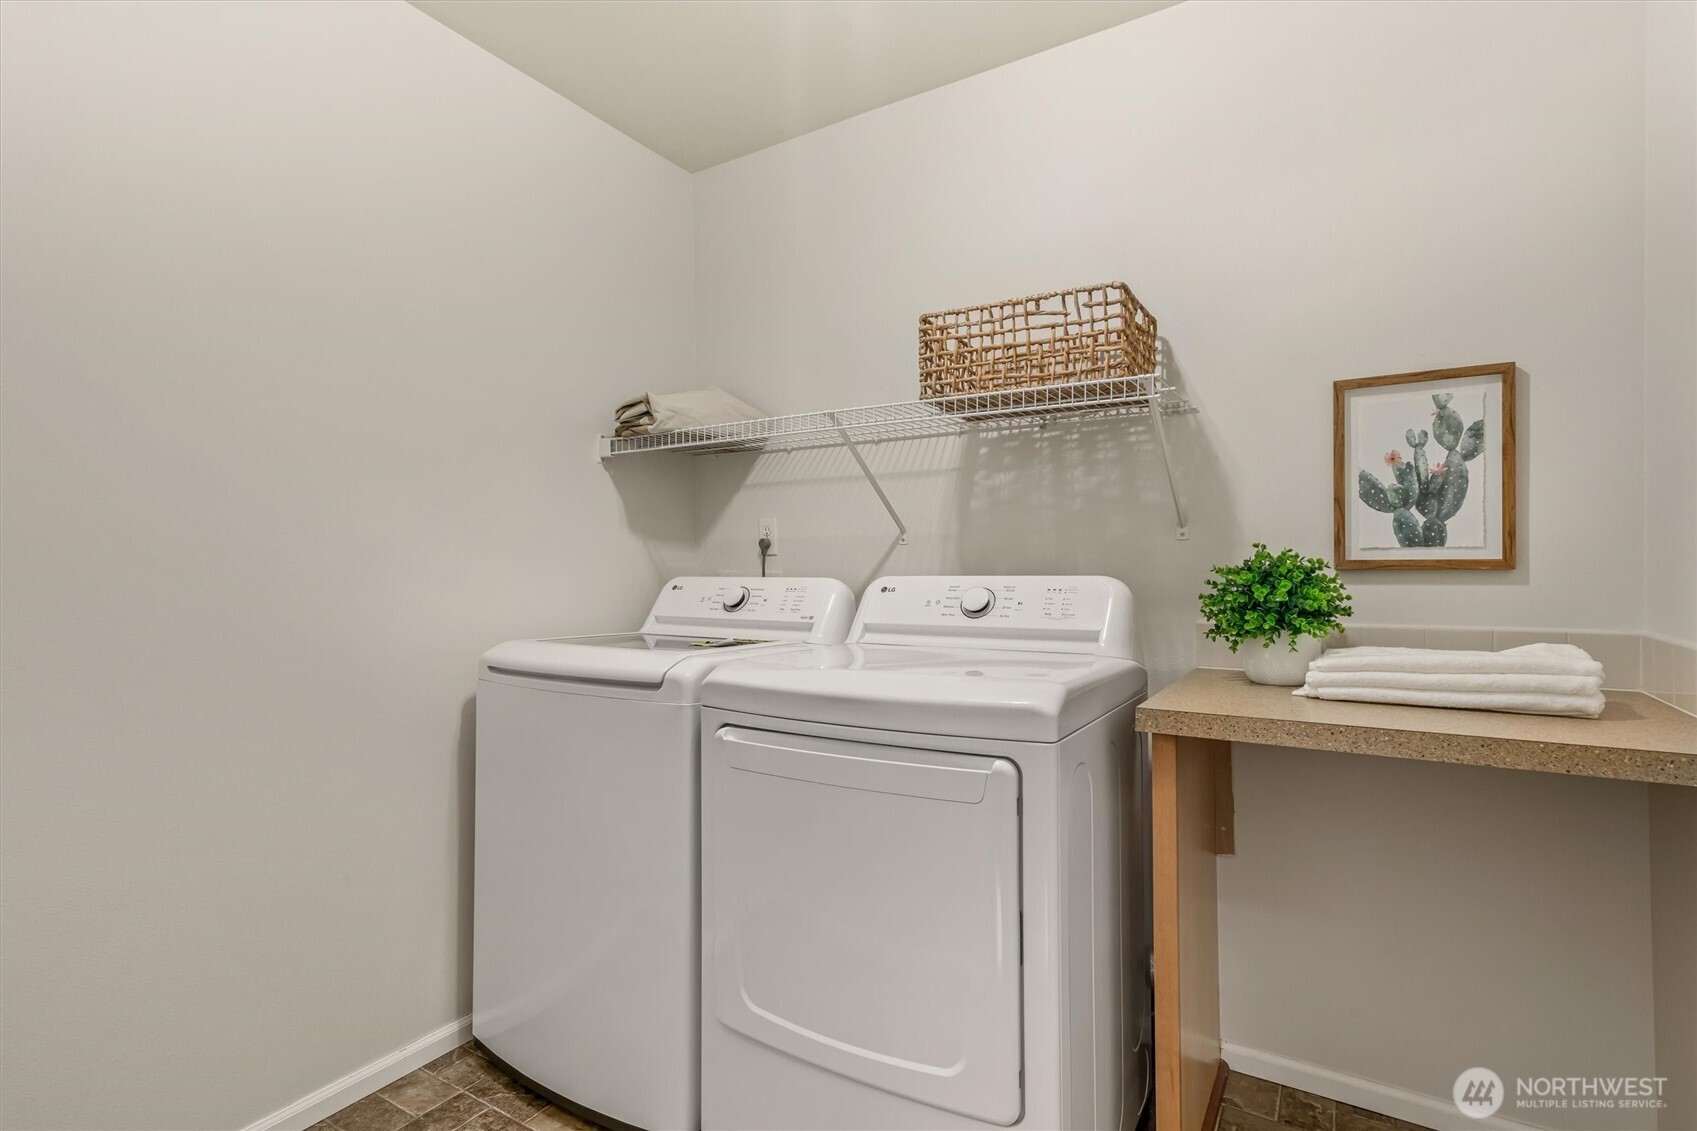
1433 518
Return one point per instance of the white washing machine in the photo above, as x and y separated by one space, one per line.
924 867
586 952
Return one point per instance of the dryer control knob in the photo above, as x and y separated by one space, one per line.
736 599
976 602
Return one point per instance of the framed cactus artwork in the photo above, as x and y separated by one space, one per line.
1423 470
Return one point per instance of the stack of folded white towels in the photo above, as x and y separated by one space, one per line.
1538 679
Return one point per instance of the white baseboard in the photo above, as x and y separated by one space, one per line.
1437 1112
361 1082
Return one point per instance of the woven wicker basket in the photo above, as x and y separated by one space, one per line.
1088 334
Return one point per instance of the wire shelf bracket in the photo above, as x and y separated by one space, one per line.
878 488
1182 531
1146 395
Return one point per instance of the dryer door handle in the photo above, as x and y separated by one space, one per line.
761 753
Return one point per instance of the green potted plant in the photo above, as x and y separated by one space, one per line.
1269 597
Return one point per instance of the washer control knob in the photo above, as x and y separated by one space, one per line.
736 599
976 602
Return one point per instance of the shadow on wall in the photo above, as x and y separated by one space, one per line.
1093 497
661 506
465 766
1068 497
830 522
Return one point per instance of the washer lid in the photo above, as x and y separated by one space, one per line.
695 625
629 658
970 693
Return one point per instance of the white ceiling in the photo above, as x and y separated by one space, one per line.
703 81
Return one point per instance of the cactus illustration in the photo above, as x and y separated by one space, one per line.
1433 491
1406 527
1375 494
1408 481
1446 426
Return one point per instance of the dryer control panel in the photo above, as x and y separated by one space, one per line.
1038 614
813 609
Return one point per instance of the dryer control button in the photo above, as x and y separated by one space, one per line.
736 599
976 602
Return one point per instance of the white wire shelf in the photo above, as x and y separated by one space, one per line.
903 420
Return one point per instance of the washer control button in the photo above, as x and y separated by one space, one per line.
736 599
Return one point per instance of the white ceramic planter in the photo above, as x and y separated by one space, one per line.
1278 665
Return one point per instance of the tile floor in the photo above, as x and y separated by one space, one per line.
1253 1104
461 1091
458 1091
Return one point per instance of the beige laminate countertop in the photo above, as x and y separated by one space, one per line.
1637 738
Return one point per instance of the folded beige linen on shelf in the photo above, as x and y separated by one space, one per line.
668 412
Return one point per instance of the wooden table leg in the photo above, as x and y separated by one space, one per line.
1187 832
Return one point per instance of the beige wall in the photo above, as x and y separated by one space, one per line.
1670 325
1404 921
1301 193
311 313
1670 518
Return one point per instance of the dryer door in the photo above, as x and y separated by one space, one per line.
864 912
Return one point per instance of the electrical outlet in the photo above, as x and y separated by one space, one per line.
769 529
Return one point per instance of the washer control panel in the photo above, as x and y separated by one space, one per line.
816 609
1053 614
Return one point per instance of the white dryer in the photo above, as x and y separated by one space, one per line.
924 867
586 953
